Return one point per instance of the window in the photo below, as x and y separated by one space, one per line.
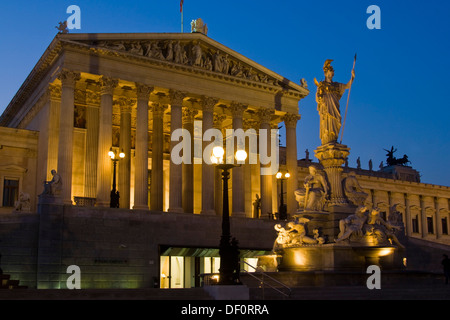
10 192
444 226
415 224
430 225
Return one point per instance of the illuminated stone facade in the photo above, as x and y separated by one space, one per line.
90 93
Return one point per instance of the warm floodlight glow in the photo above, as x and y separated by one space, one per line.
241 155
218 152
279 175
214 160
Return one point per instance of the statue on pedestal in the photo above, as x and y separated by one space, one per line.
314 193
54 186
327 97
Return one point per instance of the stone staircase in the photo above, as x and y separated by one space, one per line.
8 283
405 286
106 294
356 293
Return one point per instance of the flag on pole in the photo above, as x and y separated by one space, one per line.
181 5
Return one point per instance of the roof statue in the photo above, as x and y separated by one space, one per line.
199 26
62 27
392 161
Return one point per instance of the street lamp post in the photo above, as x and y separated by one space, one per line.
114 203
228 250
282 210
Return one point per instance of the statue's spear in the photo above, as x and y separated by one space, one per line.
348 98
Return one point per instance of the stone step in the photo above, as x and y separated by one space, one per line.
106 294
441 292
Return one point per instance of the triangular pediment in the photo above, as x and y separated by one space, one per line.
193 51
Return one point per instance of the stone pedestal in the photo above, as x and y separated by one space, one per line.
332 156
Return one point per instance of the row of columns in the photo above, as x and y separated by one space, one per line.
98 144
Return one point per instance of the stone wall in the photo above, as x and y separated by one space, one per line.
120 248
18 246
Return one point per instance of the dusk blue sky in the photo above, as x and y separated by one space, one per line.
399 97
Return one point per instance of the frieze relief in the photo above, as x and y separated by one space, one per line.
190 53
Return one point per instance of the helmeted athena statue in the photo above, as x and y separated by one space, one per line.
327 97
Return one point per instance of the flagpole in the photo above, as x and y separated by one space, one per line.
348 98
181 10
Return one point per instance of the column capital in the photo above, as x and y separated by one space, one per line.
189 114
218 119
158 109
237 109
176 97
125 104
265 115
143 91
54 91
107 85
68 78
208 103
92 98
291 119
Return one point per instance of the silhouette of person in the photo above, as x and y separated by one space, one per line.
446 264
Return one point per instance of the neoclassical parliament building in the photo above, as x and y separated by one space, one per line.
93 94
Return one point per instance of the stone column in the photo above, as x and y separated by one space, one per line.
332 156
218 187
438 218
265 117
188 168
157 187
53 129
237 175
290 121
141 147
92 124
176 170
105 141
207 169
125 146
65 147
423 215
408 221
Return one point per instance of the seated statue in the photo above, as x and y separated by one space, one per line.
353 190
54 186
352 226
23 204
314 194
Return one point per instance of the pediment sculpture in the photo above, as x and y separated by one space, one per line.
190 53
